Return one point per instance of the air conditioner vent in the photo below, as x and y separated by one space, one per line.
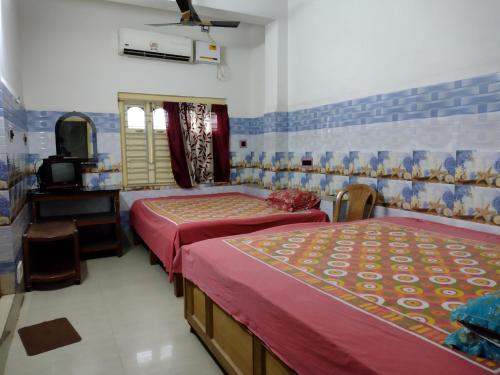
155 55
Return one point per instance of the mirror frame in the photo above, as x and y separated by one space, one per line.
60 121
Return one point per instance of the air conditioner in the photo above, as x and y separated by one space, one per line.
155 45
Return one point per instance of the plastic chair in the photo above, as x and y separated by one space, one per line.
360 200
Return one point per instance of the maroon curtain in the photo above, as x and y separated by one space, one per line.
176 143
220 139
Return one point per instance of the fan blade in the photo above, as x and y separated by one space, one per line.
188 13
224 23
164 24
184 5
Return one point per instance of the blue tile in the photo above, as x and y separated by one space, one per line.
461 92
494 87
493 107
396 109
465 110
474 95
414 115
435 105
436 88
396 95
491 78
487 98
415 99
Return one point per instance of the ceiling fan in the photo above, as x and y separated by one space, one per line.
189 17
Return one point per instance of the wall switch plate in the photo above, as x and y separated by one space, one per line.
307 163
19 272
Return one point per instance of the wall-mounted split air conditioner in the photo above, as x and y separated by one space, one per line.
155 45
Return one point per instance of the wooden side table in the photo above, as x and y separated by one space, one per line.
99 231
51 253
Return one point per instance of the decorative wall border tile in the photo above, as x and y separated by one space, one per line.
430 191
463 97
45 121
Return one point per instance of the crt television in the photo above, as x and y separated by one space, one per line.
60 173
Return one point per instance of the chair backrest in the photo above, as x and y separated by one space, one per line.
361 200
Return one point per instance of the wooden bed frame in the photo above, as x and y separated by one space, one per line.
234 347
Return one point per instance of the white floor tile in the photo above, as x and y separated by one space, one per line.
128 318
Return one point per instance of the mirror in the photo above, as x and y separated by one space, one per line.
76 137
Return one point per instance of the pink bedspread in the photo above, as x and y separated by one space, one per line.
165 224
338 319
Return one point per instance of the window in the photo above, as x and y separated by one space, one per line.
159 119
145 150
136 118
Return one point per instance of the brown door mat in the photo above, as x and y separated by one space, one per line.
42 337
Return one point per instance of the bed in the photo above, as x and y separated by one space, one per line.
366 297
165 224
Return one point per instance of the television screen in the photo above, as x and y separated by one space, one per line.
63 172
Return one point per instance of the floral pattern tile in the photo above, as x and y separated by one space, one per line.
294 161
476 203
4 173
329 162
395 164
4 208
395 193
253 158
256 176
235 176
280 161
266 160
314 183
434 166
267 179
297 179
364 163
280 180
333 184
317 160
479 168
433 198
342 163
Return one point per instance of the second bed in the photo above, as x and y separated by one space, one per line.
165 224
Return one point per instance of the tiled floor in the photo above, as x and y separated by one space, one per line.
128 318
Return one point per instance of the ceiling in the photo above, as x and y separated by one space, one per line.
258 12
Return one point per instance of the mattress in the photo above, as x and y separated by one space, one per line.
167 223
366 297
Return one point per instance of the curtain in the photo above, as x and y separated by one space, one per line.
197 134
220 137
176 144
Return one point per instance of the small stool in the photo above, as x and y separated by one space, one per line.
47 257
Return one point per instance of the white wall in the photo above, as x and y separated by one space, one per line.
345 49
70 58
276 66
257 79
9 46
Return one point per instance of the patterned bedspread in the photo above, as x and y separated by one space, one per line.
167 223
229 207
407 277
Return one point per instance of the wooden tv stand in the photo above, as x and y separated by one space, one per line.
105 221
